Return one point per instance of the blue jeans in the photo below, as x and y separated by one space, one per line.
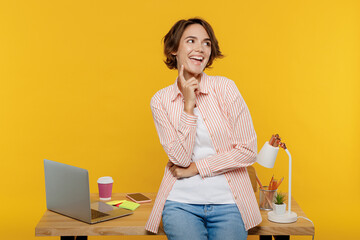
183 221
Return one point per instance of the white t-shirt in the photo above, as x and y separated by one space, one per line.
195 190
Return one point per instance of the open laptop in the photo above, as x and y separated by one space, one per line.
67 193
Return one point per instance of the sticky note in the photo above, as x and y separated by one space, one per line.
129 205
115 202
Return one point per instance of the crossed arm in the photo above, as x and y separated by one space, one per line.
178 143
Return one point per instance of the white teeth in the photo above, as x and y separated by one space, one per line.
197 58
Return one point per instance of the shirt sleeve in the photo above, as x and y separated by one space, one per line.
178 143
243 138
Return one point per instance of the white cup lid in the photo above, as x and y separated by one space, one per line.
105 180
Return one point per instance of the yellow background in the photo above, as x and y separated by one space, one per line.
76 79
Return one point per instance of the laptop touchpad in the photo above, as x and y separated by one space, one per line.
102 207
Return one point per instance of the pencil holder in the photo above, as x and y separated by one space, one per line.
266 198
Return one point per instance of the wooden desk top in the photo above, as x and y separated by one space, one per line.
53 224
300 227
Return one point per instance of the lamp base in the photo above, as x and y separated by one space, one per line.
285 218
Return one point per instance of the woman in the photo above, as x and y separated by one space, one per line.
206 130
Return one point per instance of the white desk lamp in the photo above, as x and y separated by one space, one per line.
266 158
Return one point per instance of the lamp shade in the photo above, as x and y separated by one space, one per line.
267 155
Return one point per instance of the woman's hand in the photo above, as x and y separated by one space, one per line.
181 172
189 88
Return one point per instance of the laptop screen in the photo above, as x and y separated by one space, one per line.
67 190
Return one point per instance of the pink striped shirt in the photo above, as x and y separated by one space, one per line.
229 123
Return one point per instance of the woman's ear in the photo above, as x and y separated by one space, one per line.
173 53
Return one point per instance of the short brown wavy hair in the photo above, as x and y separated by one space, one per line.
172 41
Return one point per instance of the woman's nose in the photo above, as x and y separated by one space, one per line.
199 48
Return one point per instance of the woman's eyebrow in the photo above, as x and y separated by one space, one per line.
206 39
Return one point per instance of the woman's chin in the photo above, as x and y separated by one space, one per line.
192 69
195 71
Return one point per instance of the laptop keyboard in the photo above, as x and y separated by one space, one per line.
97 214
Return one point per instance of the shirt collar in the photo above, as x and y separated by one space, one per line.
203 86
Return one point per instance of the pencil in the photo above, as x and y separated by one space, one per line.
272 178
258 181
277 186
273 187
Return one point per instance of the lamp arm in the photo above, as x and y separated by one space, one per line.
289 193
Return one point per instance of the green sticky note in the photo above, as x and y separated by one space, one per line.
129 205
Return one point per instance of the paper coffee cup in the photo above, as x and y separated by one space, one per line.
105 188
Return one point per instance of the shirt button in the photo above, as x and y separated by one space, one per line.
204 118
235 197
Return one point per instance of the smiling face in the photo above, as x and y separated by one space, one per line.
194 51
